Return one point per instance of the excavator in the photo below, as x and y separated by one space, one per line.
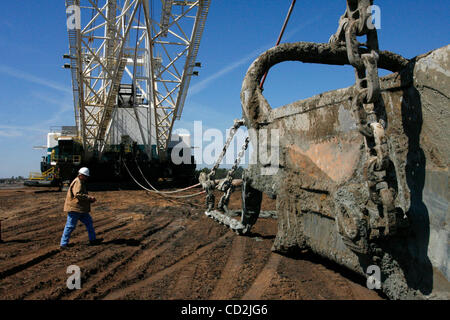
131 62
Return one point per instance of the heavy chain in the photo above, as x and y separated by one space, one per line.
206 180
236 125
226 185
369 108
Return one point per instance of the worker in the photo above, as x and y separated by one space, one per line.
78 206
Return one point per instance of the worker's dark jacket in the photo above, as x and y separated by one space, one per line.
77 198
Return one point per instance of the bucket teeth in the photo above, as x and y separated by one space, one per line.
233 224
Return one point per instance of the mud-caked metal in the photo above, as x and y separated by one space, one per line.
361 179
382 218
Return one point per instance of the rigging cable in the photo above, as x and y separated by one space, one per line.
167 192
159 192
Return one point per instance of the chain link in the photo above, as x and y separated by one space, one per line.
236 125
368 106
207 181
226 185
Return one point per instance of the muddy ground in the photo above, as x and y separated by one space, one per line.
154 249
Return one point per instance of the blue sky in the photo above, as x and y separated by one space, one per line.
36 92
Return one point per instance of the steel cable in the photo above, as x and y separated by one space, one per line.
159 192
166 192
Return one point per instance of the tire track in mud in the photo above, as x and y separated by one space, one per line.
183 285
335 281
168 270
32 208
53 285
265 268
26 228
93 265
21 216
38 233
335 284
27 264
264 278
52 274
120 269
225 285
137 268
155 250
31 220
53 231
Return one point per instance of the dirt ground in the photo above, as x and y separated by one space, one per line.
154 248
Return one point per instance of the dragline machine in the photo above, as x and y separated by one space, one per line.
131 62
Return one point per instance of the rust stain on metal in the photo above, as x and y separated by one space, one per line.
337 159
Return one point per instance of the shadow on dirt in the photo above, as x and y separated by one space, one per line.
310 256
17 241
257 235
127 242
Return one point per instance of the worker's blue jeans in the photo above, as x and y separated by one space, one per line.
72 219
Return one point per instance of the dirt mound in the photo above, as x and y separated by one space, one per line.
153 249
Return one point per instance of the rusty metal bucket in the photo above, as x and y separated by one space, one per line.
320 178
